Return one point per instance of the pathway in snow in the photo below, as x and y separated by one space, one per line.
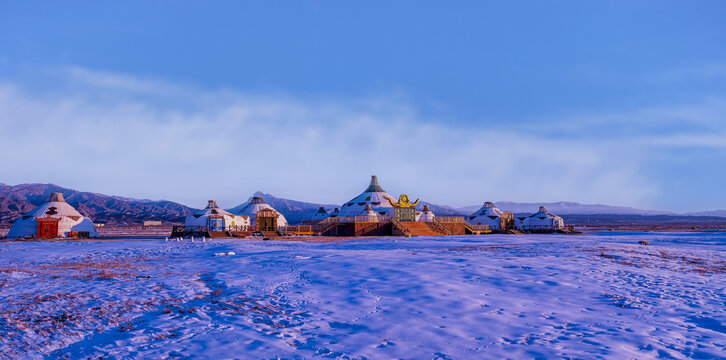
453 297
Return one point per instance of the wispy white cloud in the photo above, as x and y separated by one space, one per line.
146 138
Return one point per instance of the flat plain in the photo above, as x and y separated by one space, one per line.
496 296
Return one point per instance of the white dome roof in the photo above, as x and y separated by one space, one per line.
426 215
488 214
375 196
55 207
255 205
543 218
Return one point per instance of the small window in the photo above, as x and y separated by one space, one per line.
376 203
362 203
368 198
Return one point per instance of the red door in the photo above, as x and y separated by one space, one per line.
47 228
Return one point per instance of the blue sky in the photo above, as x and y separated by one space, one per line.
622 103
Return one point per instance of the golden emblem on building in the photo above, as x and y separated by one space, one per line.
403 202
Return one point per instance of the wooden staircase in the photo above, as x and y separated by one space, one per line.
422 228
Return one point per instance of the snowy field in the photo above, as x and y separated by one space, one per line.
465 297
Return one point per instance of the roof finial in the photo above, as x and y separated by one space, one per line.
56 196
374 187
212 204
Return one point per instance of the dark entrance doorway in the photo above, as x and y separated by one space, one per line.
266 220
216 224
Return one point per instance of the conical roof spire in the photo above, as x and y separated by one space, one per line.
374 187
542 209
488 204
426 208
257 200
211 204
56 196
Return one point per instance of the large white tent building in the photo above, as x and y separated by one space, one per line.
488 214
254 206
542 220
375 196
215 219
54 218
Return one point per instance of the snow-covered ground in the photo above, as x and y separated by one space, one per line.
534 296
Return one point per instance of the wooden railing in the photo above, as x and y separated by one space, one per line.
441 227
406 232
478 227
201 228
352 219
450 219
538 227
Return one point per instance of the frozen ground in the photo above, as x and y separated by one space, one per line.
546 296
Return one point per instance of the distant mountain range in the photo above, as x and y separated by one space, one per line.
566 208
17 200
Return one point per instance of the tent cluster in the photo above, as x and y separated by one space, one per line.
376 202
213 218
56 218
496 219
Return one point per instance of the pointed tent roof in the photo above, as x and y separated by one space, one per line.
212 209
374 187
375 196
256 204
543 213
488 214
321 214
368 211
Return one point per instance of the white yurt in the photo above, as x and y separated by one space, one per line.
54 218
489 214
321 214
374 196
369 213
426 215
215 219
256 204
542 220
